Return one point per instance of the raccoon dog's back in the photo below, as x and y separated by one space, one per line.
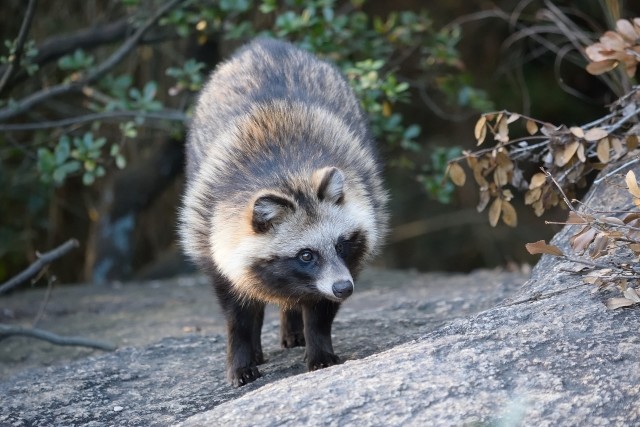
275 120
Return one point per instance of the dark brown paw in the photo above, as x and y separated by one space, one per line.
292 339
241 376
258 358
322 360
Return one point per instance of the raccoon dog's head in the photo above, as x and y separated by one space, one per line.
305 243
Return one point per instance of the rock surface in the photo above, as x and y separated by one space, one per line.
161 381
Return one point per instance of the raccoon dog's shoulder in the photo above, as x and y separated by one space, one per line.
279 159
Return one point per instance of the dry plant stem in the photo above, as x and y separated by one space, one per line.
44 302
64 88
38 265
616 170
11 330
22 37
564 196
619 123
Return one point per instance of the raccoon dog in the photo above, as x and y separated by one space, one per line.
284 199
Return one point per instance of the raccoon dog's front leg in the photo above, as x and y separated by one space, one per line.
318 318
291 328
244 348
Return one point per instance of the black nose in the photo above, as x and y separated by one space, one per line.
342 289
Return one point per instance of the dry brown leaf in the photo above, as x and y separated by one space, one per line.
484 200
568 152
541 247
632 184
537 180
603 150
618 148
580 153
635 247
480 131
513 117
612 220
580 241
548 129
576 218
532 196
538 207
625 28
457 175
601 67
532 127
614 303
632 142
500 176
592 280
631 294
577 131
503 130
631 217
472 161
595 134
503 160
494 212
599 245
509 215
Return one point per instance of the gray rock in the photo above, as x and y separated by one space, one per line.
177 377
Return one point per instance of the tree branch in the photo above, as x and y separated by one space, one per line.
14 62
173 115
9 330
40 263
93 75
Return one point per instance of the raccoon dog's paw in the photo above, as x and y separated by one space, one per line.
241 376
321 359
292 339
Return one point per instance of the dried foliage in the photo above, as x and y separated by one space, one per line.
608 244
619 47
568 153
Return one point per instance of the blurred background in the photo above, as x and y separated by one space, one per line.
93 115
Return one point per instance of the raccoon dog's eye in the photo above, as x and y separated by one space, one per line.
305 255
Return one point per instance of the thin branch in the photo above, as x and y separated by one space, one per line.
45 301
9 330
616 170
14 62
619 123
564 196
173 115
38 265
95 74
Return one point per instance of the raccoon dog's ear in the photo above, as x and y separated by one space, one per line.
329 184
269 210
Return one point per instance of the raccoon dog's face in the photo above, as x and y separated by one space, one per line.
303 244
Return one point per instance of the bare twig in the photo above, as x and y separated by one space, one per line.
11 330
95 74
564 196
173 115
616 170
45 301
40 263
14 62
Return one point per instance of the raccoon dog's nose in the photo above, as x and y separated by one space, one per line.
342 289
